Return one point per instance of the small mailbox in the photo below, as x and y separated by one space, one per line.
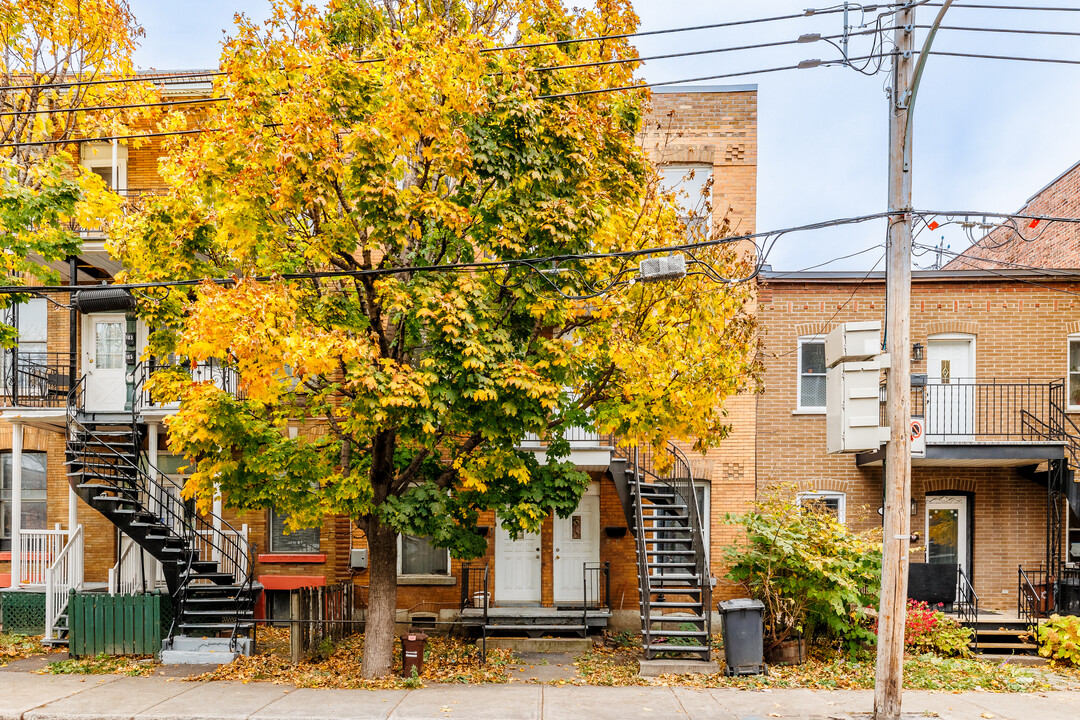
853 342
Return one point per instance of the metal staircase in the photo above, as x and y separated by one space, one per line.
207 569
674 582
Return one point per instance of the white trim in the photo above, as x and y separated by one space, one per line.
16 502
1069 340
946 502
799 407
417 576
840 497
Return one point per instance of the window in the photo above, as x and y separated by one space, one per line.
832 502
31 319
811 384
33 495
692 185
304 540
1074 373
99 158
417 556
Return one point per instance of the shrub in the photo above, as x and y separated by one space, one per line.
814 575
928 629
1059 639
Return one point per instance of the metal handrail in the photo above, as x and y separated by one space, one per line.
1028 595
967 605
35 379
151 493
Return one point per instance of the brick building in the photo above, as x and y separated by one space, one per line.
994 361
1044 245
83 363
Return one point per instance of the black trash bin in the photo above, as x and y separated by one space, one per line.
741 626
412 653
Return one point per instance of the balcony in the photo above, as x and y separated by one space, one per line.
35 379
588 449
986 422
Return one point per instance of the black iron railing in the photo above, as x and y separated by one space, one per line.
475 594
211 371
972 410
35 379
967 604
1035 596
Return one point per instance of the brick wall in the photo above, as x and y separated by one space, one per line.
1020 332
1052 245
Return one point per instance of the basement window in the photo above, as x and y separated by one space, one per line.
834 503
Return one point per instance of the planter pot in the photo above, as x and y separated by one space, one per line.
789 652
478 599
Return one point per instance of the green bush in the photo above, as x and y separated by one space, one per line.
1059 639
928 629
814 575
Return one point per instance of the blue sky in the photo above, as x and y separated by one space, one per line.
988 133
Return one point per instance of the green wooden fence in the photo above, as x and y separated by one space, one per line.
114 624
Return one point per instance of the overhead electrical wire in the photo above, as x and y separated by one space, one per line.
101 108
1056 61
809 12
1013 31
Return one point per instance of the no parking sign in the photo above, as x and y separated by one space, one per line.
918 437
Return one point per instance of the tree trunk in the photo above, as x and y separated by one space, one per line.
382 599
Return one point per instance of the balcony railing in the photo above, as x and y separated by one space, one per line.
968 410
211 371
579 438
35 379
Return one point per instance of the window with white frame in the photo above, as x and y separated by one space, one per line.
692 185
1074 372
417 556
828 501
34 503
282 540
811 380
108 161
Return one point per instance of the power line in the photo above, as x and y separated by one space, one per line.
96 108
1015 31
804 65
1006 57
809 12
1045 272
1008 7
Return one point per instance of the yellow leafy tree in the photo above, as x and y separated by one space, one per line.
372 158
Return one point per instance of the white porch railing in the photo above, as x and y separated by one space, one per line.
38 550
64 575
203 543
129 575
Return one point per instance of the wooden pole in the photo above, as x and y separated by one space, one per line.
889 675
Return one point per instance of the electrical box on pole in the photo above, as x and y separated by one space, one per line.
853 388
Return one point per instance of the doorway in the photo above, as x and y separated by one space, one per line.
576 542
948 531
517 567
950 387
103 362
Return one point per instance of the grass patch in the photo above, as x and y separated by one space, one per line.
102 665
446 660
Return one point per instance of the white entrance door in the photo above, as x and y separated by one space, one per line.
947 531
950 388
103 362
517 567
576 542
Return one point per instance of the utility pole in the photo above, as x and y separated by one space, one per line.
889 676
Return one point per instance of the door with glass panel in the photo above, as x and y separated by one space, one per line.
947 538
103 362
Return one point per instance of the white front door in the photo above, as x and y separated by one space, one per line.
103 362
517 567
576 542
950 388
947 531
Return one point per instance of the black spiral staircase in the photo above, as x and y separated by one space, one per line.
674 582
212 596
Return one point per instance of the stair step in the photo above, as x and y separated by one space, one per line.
670 552
677 633
537 628
673 618
664 647
667 604
671 564
1007 646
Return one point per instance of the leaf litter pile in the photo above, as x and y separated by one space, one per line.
446 660
18 647
834 671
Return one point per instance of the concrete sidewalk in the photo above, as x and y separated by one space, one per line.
40 697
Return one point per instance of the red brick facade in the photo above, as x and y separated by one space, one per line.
1046 245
